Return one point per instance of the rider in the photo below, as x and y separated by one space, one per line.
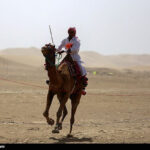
72 45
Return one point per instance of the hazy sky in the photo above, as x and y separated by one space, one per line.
105 26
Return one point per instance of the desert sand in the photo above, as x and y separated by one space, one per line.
116 108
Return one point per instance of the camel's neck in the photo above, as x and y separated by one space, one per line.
53 75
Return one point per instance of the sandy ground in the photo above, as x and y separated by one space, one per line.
115 110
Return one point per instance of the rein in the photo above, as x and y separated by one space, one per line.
57 58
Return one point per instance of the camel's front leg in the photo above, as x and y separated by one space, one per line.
50 96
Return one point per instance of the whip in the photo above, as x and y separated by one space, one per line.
51 35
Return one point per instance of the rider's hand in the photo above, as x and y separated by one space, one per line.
69 51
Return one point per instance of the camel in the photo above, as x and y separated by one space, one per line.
64 86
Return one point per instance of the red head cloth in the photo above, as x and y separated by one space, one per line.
72 29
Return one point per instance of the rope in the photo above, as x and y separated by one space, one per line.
23 83
42 87
58 60
120 95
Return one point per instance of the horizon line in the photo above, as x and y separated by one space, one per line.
94 51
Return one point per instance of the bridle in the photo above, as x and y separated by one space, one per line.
57 56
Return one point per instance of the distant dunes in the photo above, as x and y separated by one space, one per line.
27 56
33 57
21 51
93 59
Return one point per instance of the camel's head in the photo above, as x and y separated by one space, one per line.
49 52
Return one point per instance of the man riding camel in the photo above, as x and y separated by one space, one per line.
72 45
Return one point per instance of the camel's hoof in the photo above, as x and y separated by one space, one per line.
59 126
50 121
69 136
45 114
55 131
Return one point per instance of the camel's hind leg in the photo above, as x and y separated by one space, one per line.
59 125
61 109
75 100
65 112
48 104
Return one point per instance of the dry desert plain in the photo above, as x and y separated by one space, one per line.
116 108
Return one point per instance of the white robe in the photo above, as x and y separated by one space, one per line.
74 52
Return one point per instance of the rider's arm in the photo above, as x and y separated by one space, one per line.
62 45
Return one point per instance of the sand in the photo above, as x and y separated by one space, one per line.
116 108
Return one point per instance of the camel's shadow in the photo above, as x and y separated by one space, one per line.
72 139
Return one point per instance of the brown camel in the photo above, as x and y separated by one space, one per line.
64 86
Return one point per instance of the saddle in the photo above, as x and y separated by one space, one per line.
72 66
